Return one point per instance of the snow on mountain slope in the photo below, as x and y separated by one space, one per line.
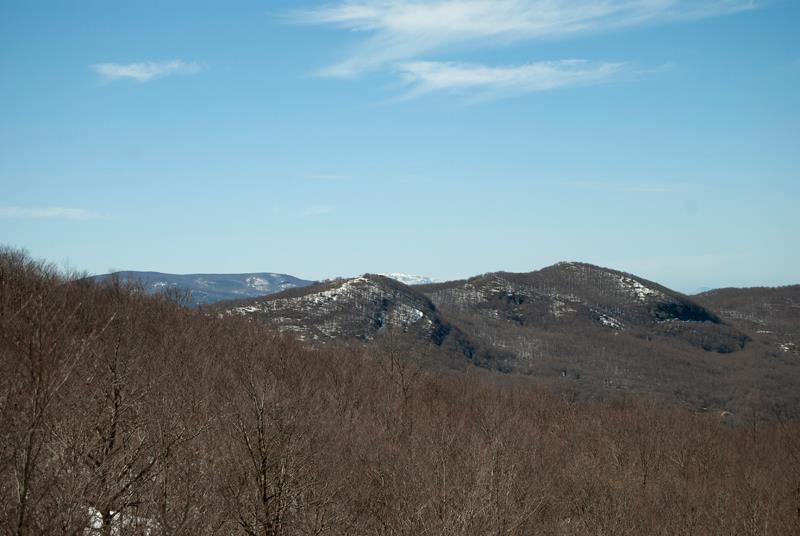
566 290
370 309
356 307
584 328
574 300
772 314
409 279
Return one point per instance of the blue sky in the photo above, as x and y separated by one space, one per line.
444 138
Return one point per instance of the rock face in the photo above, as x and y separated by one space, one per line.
211 288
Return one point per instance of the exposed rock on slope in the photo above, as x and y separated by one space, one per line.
367 308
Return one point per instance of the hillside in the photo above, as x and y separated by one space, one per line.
772 315
210 288
582 330
584 296
371 309
124 413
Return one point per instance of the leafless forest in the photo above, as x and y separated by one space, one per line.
123 413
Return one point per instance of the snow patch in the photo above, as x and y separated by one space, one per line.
120 524
259 283
246 309
610 322
636 289
559 308
405 315
409 279
357 307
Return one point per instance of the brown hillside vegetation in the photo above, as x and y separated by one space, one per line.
124 411
587 332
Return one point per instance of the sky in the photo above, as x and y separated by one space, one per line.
445 138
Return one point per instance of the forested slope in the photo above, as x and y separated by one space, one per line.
586 332
126 411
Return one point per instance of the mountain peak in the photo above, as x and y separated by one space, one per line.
356 307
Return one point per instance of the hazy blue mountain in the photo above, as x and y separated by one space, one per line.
211 288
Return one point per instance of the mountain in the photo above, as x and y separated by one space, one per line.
211 288
372 309
345 308
124 413
771 314
410 279
578 297
583 330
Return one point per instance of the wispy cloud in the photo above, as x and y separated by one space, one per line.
145 71
489 82
55 213
400 30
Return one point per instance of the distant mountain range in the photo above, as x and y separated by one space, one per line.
588 331
205 289
211 288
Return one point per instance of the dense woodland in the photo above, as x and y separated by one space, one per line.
123 413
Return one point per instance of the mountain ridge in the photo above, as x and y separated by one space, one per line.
584 330
207 288
370 308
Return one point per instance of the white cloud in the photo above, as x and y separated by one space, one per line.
402 30
59 213
145 71
426 77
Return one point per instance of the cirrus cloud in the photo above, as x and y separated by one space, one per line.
399 30
489 82
145 71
